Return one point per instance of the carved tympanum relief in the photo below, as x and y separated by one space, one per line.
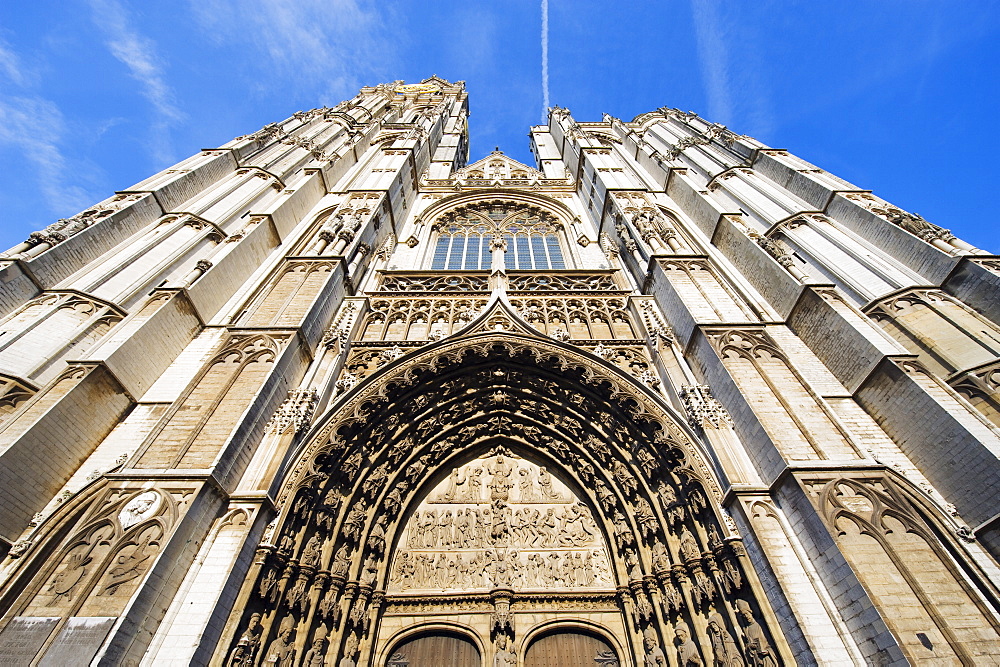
500 521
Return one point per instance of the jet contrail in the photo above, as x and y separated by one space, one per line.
545 60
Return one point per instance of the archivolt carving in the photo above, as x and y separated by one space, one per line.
642 488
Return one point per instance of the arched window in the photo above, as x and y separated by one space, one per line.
465 235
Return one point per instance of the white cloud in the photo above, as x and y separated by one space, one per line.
745 105
35 126
332 44
138 54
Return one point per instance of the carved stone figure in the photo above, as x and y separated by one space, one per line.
281 651
311 552
249 643
689 546
687 650
759 651
350 652
654 654
504 656
723 646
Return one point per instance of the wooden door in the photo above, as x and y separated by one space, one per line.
570 649
435 650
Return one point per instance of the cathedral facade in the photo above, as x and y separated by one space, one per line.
329 395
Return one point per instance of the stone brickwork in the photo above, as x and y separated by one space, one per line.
329 395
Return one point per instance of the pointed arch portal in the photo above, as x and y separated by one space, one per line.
424 497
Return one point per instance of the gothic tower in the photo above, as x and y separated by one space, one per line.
328 395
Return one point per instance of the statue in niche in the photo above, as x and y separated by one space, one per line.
645 517
394 501
504 656
355 521
647 462
689 546
350 650
341 562
249 642
376 537
281 651
604 496
351 466
311 553
315 656
632 565
654 654
375 481
687 650
369 572
269 585
456 484
759 653
286 544
723 646
624 478
584 469
526 486
661 559
622 532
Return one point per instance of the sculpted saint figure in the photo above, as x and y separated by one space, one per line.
281 652
350 650
249 642
504 656
526 486
759 653
355 521
311 554
687 650
723 646
689 546
455 481
654 654
545 484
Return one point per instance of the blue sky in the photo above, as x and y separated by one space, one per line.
897 96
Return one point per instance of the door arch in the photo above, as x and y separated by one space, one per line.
386 443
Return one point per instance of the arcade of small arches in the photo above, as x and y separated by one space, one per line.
636 552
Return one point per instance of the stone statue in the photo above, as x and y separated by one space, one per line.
246 648
689 546
281 652
723 646
504 656
687 650
759 652
311 553
350 650
654 654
